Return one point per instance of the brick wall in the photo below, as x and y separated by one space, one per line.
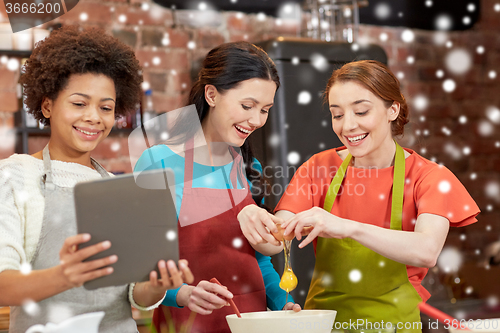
452 129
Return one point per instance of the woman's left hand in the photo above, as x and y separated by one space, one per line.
319 222
292 306
149 292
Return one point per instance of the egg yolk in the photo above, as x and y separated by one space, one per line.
288 281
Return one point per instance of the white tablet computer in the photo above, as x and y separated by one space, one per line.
140 223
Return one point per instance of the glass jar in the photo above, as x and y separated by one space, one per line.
331 20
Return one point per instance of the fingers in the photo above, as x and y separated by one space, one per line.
256 223
312 235
72 241
77 275
264 234
292 306
175 274
204 298
276 219
186 272
74 271
94 275
85 267
69 256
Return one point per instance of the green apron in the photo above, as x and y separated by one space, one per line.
362 285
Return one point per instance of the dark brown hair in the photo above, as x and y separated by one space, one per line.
378 78
73 50
225 67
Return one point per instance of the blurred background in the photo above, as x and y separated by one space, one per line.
446 55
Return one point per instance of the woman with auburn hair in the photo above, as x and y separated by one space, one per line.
382 213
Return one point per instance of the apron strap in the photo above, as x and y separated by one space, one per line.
397 187
335 184
237 172
99 168
188 163
47 177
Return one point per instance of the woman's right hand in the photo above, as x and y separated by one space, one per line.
75 272
204 298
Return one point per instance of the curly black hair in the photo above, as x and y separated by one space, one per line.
73 50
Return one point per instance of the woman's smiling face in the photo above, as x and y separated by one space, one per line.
361 120
234 114
82 115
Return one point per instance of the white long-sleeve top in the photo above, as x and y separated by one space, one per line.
22 205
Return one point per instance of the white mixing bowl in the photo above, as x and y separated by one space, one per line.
305 321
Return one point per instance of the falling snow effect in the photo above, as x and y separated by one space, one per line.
25 268
449 85
293 158
492 190
485 128
13 64
493 114
326 279
115 146
440 37
408 36
450 259
355 275
458 61
420 102
382 11
31 308
444 186
492 301
443 22
455 153
274 140
319 62
237 243
171 235
304 98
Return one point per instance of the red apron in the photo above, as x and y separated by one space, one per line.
215 247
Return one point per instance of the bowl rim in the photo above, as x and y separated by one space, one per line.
285 314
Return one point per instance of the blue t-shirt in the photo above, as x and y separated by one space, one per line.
205 176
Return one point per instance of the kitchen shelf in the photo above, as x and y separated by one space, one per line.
16 53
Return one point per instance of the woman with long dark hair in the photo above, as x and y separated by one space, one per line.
214 169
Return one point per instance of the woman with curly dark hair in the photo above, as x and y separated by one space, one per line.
77 82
